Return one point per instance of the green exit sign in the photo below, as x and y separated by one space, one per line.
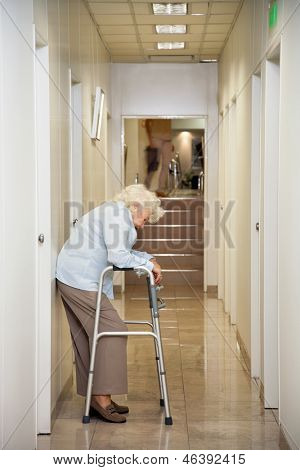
273 13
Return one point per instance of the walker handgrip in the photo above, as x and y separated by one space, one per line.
115 268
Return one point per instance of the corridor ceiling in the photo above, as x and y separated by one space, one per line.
128 29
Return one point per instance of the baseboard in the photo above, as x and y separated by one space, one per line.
244 351
212 290
288 438
66 389
261 389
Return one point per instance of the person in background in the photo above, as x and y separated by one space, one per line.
102 237
160 138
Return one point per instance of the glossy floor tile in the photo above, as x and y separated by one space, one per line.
214 403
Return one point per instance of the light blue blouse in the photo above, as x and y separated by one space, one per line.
102 237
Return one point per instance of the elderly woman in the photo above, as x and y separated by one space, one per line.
104 236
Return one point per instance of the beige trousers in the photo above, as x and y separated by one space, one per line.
110 371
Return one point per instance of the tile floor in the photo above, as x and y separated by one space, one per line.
214 403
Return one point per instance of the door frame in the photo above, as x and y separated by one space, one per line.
269 236
221 190
197 116
43 225
75 115
256 117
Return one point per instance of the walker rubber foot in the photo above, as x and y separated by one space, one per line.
162 402
86 419
169 421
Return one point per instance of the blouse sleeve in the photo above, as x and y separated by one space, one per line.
116 227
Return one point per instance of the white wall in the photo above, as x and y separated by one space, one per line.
18 229
289 231
131 130
246 51
169 90
73 44
67 28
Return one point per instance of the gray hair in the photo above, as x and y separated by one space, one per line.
139 194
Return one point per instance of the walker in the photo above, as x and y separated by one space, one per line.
155 305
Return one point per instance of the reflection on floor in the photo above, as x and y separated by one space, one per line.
214 403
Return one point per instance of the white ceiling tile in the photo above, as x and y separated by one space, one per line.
214 19
192 49
196 28
117 29
218 28
122 45
224 7
214 50
174 19
109 38
169 37
146 29
214 44
198 8
142 8
150 45
106 1
114 19
126 52
215 37
109 8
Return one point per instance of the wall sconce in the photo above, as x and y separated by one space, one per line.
97 115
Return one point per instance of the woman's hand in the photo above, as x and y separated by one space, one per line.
156 271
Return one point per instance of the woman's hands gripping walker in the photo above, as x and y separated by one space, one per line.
156 272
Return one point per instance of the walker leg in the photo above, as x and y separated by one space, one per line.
86 418
168 417
163 380
161 401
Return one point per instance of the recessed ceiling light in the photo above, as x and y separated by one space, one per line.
170 29
170 45
169 8
208 60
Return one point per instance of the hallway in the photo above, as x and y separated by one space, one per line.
79 81
214 403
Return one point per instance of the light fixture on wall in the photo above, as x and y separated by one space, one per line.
97 114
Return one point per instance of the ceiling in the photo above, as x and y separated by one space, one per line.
127 28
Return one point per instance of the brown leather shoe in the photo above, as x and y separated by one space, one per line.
120 408
108 413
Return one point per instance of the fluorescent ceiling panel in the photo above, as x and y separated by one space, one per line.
171 28
208 60
170 45
169 8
